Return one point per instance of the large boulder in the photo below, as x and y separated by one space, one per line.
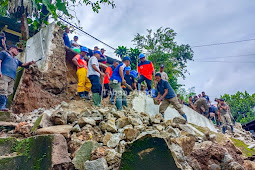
83 154
148 152
38 152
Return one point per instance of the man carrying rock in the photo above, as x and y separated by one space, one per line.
108 73
94 77
118 78
201 102
84 85
224 116
145 72
167 96
8 67
130 80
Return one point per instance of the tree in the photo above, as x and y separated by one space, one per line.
36 12
134 54
162 48
121 51
241 106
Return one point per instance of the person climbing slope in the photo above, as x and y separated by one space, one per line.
94 74
224 116
145 72
8 69
118 78
84 85
108 73
167 96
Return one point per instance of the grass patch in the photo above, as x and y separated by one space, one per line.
243 147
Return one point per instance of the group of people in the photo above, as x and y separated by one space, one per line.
220 111
118 82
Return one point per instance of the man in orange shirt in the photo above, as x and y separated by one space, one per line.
145 72
108 73
84 85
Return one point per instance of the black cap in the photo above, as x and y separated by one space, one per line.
222 100
14 46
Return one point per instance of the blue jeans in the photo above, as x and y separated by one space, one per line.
148 82
96 85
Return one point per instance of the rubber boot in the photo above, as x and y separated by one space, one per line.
185 117
3 101
119 104
139 86
95 98
232 128
86 95
223 129
124 101
82 95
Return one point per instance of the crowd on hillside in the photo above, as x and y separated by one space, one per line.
117 82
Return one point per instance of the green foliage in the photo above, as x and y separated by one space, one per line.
43 9
134 56
184 94
241 106
162 48
121 51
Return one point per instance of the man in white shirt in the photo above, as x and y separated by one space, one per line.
164 75
94 77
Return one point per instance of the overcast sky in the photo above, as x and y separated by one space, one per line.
196 23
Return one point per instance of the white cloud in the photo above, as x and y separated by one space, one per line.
196 22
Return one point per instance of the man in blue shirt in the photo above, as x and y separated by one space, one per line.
118 78
66 38
130 80
206 97
167 96
8 68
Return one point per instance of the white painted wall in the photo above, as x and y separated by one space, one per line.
145 104
40 45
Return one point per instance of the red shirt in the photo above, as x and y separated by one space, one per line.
146 69
81 61
110 71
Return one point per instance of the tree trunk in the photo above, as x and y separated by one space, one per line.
24 27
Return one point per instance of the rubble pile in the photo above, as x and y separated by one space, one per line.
99 136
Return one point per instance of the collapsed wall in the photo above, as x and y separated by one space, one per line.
145 104
45 84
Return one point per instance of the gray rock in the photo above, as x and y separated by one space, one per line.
135 121
98 164
214 167
76 128
59 118
72 117
83 154
86 120
109 125
179 120
114 141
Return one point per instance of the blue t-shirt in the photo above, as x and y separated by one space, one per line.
116 74
207 98
162 85
66 40
9 64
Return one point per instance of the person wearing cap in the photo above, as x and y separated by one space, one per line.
94 74
130 80
74 43
3 42
164 75
167 96
108 73
8 68
118 78
145 72
84 85
66 38
224 116
103 57
96 48
206 97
